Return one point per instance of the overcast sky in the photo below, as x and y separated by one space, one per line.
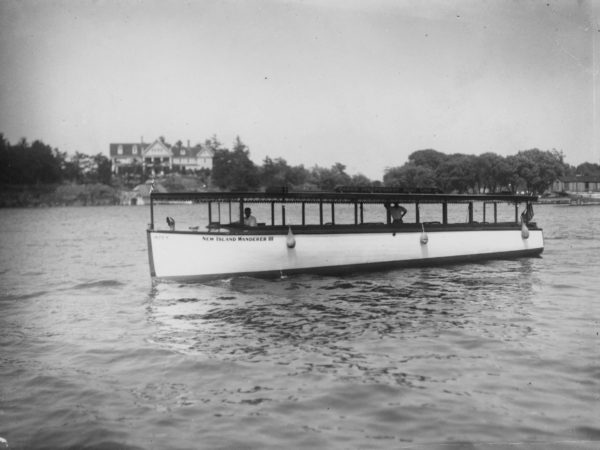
364 83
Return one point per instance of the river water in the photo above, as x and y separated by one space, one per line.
501 354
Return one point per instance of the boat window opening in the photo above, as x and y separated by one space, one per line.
311 214
427 213
293 214
369 213
344 214
278 214
487 219
504 212
470 210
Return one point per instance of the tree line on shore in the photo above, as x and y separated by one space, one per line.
37 163
531 171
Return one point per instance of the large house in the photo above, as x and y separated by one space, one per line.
578 183
159 156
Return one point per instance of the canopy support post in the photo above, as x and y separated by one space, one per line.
303 213
321 212
445 213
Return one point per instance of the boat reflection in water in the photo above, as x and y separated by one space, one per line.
278 248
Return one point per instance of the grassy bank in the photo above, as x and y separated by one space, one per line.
42 195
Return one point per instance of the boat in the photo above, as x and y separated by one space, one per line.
583 198
319 241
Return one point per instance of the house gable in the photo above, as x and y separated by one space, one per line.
157 149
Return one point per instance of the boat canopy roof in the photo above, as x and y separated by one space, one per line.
336 197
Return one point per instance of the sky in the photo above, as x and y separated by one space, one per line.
315 82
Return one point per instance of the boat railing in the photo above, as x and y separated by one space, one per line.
237 201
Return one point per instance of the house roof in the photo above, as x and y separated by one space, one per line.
580 179
194 152
185 151
127 149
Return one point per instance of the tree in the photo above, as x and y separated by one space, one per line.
428 158
234 169
274 172
360 180
588 169
537 169
494 172
455 174
103 168
328 179
410 175
213 144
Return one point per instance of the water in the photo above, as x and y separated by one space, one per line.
493 355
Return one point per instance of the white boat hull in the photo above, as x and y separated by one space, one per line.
199 256
584 198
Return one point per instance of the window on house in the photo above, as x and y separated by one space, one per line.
134 150
120 150
182 152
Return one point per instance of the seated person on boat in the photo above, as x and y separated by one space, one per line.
249 219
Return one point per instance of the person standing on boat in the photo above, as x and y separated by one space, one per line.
397 212
249 219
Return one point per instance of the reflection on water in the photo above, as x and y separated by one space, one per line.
360 327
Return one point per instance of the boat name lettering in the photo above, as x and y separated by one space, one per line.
238 238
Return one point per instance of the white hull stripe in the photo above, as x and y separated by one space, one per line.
201 256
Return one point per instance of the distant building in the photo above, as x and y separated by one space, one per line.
577 183
159 156
140 195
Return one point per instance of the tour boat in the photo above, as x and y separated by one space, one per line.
584 198
332 234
